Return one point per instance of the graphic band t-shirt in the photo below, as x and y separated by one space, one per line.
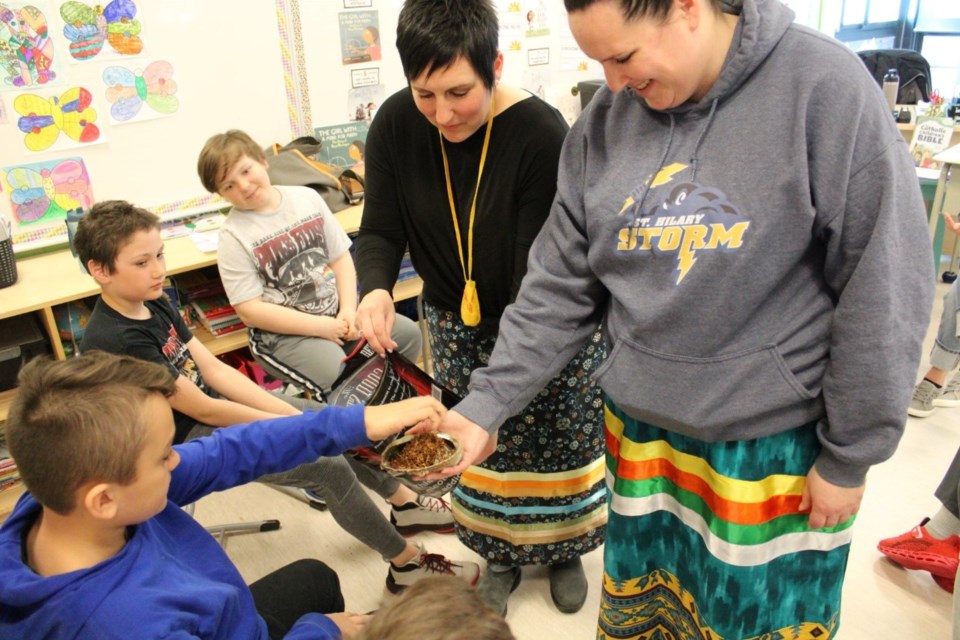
283 256
162 339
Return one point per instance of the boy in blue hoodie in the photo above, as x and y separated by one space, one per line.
100 548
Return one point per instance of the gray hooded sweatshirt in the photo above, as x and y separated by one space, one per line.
776 270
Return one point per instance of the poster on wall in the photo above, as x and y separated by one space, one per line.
512 28
343 144
359 36
128 88
40 194
95 31
28 57
363 102
537 20
58 121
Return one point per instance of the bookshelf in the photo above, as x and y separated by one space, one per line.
50 279
8 499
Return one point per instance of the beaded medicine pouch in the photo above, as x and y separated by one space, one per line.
470 305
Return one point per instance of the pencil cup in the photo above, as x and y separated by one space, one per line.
8 266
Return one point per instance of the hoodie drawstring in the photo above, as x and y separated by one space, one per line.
663 159
695 161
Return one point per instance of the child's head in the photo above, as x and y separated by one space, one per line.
221 152
437 608
78 422
232 165
106 228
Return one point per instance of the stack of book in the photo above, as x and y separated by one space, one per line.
9 476
212 310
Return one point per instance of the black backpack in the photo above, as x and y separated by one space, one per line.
913 68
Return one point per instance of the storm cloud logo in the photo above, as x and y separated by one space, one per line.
688 219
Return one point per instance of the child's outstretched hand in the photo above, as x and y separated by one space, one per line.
387 419
350 624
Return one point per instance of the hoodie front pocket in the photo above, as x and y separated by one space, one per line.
702 396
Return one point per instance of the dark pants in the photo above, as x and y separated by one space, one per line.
301 587
949 490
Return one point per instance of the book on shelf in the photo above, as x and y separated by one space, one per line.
221 329
9 476
213 306
931 136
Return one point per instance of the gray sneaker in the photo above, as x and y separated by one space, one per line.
924 399
951 394
425 514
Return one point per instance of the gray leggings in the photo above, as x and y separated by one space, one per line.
949 495
949 490
336 481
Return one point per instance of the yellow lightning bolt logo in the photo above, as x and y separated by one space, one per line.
685 262
663 176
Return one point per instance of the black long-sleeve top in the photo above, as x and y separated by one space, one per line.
406 201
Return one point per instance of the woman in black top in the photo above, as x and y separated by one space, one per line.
540 499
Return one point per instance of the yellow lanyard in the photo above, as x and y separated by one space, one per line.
470 305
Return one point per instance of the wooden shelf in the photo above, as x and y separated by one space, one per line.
6 399
8 499
221 344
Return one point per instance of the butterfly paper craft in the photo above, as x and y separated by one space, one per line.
43 119
37 192
123 31
127 91
87 27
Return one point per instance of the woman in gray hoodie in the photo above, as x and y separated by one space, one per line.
739 209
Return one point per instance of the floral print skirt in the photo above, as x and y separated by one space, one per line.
540 498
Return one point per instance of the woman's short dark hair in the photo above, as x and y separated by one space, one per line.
433 34
633 8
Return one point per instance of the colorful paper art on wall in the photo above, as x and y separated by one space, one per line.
26 51
128 90
41 193
88 27
43 119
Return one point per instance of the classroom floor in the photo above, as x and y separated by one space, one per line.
880 600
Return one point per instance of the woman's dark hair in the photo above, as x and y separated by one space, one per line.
432 34
633 8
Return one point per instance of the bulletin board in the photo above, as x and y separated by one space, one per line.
232 66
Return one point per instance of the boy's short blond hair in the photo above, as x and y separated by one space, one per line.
221 152
437 608
104 230
81 420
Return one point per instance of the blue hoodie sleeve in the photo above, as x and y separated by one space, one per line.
236 455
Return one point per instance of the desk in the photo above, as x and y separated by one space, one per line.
946 197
